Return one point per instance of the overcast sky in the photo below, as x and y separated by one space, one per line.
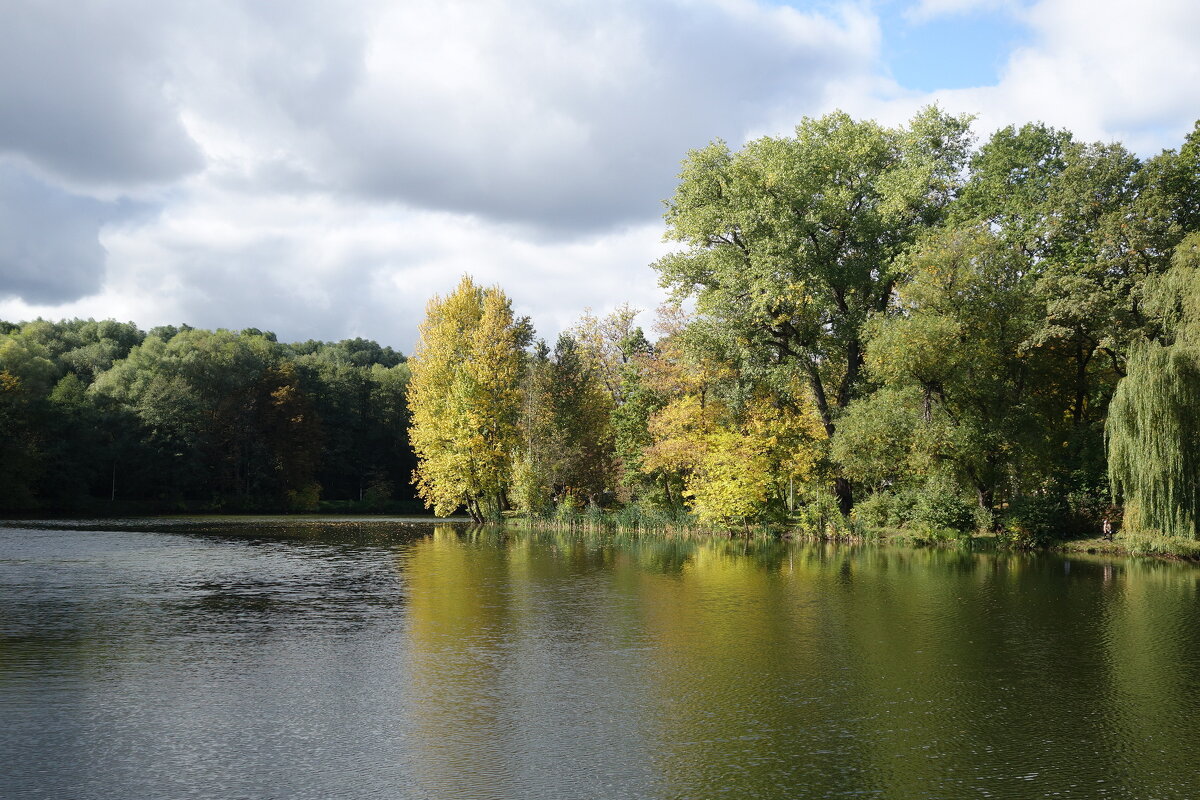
319 169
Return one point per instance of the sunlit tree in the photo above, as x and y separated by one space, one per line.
464 400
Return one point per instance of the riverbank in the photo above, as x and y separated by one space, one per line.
840 530
658 524
1123 546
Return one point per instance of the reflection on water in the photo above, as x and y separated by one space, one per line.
343 658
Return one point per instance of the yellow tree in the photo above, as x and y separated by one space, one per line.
464 400
740 467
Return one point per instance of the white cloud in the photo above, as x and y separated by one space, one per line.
319 267
321 174
1101 68
556 116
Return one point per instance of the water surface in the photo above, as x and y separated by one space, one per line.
350 658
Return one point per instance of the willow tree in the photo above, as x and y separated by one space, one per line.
1154 420
464 400
792 242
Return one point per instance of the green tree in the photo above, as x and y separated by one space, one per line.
792 242
581 409
20 458
1154 420
1095 225
958 336
226 419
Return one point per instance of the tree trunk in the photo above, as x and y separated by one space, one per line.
986 495
820 398
854 362
1081 364
845 495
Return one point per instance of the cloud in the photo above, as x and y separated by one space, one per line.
49 246
86 96
1112 71
317 267
557 116
1098 68
534 115
926 10
321 174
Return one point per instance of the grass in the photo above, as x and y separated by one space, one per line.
637 520
1137 545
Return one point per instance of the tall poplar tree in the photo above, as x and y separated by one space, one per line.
464 398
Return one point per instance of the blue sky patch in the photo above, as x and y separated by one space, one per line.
954 51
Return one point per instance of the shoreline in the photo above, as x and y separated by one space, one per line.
1156 549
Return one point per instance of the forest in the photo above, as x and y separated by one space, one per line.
870 328
103 418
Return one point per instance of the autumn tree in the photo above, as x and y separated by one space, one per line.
464 400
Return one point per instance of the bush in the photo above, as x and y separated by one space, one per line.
873 511
984 519
903 508
1035 520
888 509
378 495
940 508
304 498
820 517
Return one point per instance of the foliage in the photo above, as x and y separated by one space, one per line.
860 312
464 398
792 242
731 479
103 416
940 507
1154 420
1035 520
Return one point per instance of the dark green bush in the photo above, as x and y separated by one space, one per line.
1035 520
940 508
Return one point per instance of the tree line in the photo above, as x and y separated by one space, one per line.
102 417
895 326
925 332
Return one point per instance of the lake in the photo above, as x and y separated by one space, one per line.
276 658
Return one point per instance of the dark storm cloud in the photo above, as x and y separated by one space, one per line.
49 246
84 93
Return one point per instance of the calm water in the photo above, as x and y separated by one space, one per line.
399 660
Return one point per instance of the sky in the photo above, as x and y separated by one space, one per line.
321 169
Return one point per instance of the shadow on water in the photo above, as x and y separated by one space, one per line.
333 530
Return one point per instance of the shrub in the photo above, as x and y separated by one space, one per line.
874 510
304 498
940 508
1035 520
